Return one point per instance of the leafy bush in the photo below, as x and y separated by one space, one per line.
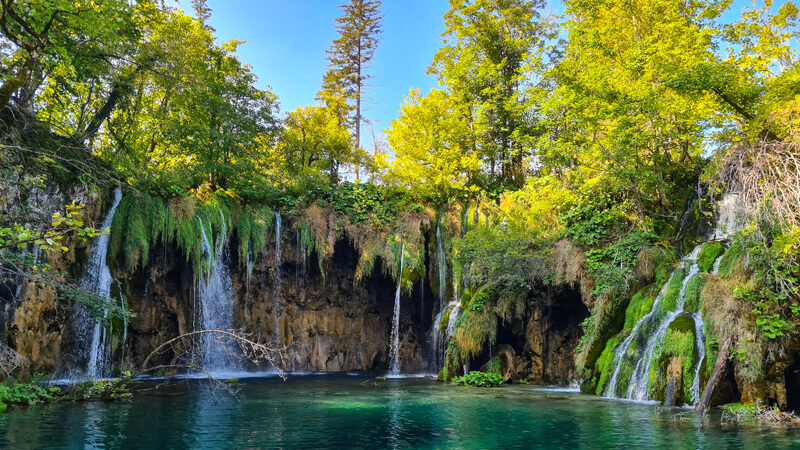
480 379
16 393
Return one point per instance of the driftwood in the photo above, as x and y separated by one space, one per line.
716 375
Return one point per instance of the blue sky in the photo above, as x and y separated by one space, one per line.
287 40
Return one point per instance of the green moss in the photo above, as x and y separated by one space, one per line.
680 342
626 370
694 291
139 221
671 297
445 320
640 305
142 220
255 223
731 257
709 254
606 363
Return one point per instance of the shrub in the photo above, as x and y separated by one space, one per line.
480 379
16 393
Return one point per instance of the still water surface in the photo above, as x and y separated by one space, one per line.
343 412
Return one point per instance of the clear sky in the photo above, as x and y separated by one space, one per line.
287 40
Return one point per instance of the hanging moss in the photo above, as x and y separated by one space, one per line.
138 223
709 254
473 330
255 223
142 220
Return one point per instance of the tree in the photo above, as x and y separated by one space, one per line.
313 142
198 118
432 159
350 57
491 65
39 35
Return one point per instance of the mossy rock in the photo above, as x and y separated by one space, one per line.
709 254
683 322
606 364
672 296
680 342
694 292
730 259
640 305
445 320
665 266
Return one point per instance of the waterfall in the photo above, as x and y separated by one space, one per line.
215 291
700 341
437 340
732 215
98 279
455 313
394 367
442 263
277 279
655 330
641 375
248 276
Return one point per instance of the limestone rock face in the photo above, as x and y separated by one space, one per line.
326 323
32 320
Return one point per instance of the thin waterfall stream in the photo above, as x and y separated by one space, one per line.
99 280
277 279
394 366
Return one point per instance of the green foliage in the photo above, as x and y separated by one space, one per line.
611 267
432 163
99 390
13 392
767 310
730 259
709 254
480 379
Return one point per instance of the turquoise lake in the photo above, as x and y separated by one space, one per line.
355 412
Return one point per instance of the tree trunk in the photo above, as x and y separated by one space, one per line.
716 375
13 84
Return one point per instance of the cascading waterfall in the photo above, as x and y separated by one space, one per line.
277 280
641 375
394 366
215 291
98 279
655 328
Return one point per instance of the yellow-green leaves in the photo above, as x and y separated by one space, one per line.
433 157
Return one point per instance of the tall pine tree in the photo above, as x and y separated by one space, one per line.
350 58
